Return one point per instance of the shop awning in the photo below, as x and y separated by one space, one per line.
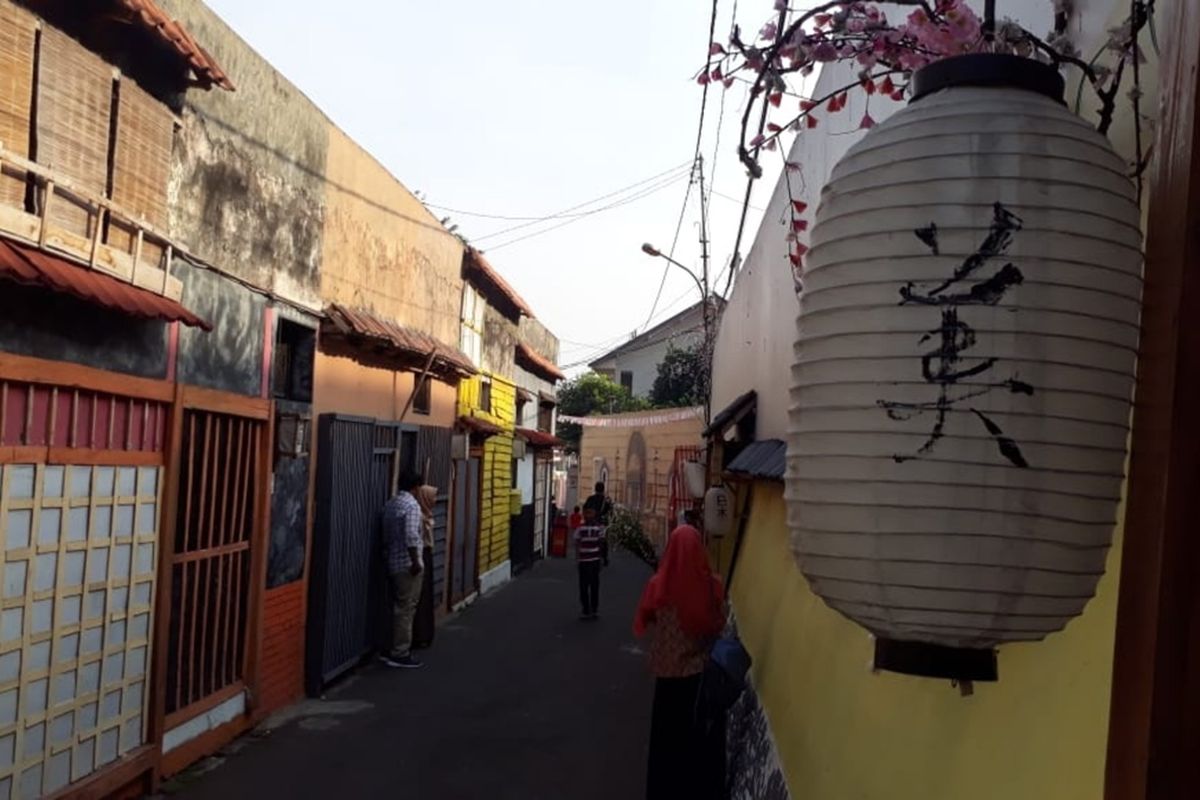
399 345
538 364
765 460
33 267
539 438
480 426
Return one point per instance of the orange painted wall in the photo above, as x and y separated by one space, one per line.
347 387
282 658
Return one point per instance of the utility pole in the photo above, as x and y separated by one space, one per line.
705 294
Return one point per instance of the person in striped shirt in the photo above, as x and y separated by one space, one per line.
591 552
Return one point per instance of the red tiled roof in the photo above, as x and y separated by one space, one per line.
477 264
477 425
408 341
150 16
540 439
536 362
31 266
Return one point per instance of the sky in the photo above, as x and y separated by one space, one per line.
526 108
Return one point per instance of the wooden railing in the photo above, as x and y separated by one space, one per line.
89 251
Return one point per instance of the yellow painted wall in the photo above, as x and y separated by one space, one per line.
844 733
496 481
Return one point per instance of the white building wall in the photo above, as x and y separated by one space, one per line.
754 344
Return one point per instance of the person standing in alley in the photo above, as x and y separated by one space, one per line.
599 503
576 520
424 623
682 610
591 552
402 543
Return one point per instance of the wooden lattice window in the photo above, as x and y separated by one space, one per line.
76 619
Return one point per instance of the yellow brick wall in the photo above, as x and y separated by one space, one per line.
496 480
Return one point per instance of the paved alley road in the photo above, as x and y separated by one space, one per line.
518 699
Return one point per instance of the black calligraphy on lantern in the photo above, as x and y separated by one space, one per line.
949 363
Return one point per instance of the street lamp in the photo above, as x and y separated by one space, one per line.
705 299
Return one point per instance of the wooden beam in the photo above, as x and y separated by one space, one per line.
1154 720
75 376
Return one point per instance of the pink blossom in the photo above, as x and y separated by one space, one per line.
867 122
715 49
757 140
825 51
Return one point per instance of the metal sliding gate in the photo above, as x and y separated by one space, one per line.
357 459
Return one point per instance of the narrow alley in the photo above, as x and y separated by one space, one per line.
518 699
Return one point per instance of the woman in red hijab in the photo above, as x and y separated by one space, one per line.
683 612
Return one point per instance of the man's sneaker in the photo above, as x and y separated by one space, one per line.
407 662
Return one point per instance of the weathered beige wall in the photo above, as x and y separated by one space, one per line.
647 489
347 387
382 249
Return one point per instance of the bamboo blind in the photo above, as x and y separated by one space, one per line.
17 28
74 105
142 165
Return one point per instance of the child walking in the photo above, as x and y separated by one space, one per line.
591 552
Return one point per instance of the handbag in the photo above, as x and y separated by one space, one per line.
724 677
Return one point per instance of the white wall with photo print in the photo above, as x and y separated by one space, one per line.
76 615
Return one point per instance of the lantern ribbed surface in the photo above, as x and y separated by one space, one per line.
963 370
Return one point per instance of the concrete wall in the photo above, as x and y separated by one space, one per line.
42 324
500 337
383 251
247 184
539 337
840 730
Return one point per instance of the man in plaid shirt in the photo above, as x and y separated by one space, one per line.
402 553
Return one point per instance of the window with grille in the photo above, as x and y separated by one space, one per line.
422 398
627 381
485 396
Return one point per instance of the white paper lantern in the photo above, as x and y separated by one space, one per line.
965 362
718 512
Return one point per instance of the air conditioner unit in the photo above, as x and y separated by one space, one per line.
519 447
460 444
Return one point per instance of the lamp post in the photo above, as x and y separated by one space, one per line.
706 301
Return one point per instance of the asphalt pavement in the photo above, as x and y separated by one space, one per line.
518 699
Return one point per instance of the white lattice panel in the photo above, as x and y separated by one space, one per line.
76 615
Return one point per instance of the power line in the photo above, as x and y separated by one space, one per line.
617 204
567 211
712 32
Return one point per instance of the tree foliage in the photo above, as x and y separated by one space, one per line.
592 393
682 378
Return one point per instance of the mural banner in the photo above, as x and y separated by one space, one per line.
636 420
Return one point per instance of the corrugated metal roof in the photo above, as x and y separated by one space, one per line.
540 439
537 363
150 16
478 266
32 266
766 459
408 341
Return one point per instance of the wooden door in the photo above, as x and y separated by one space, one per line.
465 541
